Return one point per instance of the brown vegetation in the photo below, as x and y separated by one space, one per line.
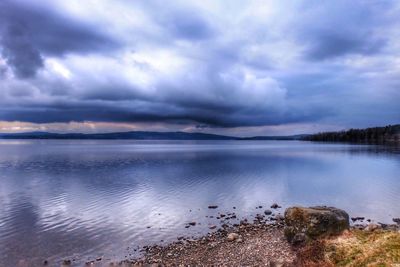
355 248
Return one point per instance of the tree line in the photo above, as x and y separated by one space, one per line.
390 133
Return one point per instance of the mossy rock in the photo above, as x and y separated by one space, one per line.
303 224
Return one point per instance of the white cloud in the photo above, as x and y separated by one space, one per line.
221 64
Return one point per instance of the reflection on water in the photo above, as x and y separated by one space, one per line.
84 199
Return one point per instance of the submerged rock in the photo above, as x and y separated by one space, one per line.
268 212
354 219
275 206
303 224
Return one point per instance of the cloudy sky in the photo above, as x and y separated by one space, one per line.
230 67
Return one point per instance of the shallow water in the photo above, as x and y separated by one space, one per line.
85 199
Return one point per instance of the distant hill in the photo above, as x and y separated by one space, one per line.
140 135
387 134
288 137
137 135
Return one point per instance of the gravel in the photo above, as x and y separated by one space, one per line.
256 244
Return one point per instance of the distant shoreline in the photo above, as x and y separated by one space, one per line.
139 135
377 135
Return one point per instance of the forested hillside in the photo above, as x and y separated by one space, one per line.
387 134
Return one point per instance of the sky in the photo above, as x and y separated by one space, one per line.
239 68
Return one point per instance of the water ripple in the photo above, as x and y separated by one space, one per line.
84 199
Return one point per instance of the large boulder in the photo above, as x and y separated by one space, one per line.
303 224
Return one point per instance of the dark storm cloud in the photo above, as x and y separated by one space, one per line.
23 58
334 29
225 64
333 44
29 32
152 112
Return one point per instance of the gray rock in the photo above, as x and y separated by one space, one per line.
314 222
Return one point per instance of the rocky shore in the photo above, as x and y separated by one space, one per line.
302 236
316 236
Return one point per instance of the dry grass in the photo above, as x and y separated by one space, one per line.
354 248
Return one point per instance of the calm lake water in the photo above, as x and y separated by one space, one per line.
85 199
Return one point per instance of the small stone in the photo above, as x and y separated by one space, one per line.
213 245
275 206
267 212
45 262
259 217
192 223
232 236
67 262
212 206
354 219
212 227
276 264
372 227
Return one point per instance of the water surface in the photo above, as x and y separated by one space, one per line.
85 199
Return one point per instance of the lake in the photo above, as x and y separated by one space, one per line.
87 199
